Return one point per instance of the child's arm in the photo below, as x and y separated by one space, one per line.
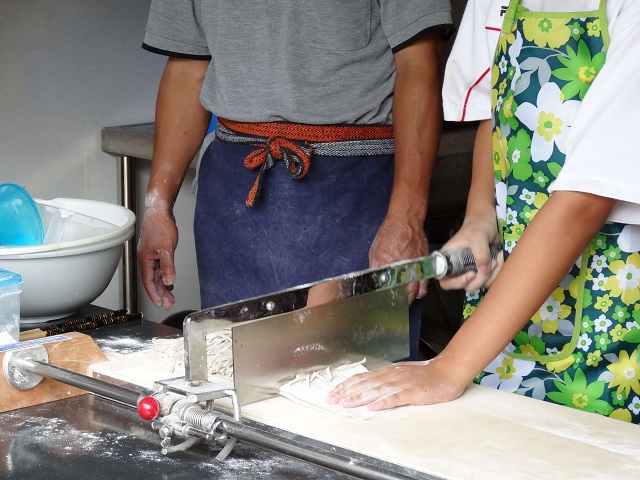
550 245
548 248
479 229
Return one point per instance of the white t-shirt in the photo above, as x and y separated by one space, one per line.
603 146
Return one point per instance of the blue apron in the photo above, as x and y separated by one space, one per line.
300 231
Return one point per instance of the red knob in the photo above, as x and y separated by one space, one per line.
148 408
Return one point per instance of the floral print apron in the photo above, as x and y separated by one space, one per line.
581 349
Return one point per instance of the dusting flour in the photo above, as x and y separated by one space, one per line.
102 437
6 338
123 345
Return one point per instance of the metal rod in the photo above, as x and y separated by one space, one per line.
114 392
129 265
333 460
232 428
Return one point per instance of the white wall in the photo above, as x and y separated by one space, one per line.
67 69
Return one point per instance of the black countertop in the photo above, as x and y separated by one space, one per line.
88 437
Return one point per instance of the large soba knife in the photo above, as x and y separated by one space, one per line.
336 321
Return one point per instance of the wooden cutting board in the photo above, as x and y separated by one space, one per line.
72 351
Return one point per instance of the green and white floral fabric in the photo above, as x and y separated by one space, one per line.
581 349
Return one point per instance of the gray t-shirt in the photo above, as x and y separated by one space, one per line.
302 61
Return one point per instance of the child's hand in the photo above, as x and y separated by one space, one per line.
477 234
408 383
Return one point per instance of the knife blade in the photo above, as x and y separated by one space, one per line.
279 335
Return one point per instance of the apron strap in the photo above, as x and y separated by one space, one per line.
604 23
510 16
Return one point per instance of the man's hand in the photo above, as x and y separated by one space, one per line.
398 239
417 119
156 248
181 124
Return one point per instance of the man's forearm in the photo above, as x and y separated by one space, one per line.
181 123
417 121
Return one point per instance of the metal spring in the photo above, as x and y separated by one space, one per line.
194 416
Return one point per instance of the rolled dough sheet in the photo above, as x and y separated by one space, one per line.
141 368
313 392
485 434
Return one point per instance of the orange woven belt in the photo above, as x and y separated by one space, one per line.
294 143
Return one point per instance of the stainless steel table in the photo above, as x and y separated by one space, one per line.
92 437
89 437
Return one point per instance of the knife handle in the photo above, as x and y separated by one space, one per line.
460 261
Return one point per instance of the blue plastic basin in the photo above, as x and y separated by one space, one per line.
20 222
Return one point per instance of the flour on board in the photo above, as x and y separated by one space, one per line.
6 338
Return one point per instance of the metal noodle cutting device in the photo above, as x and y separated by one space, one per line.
275 337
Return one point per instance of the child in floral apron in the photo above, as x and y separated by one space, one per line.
555 162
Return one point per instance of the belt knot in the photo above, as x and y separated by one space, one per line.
293 144
296 159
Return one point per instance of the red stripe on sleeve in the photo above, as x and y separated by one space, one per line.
466 99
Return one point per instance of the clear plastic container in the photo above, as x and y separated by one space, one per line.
62 225
9 307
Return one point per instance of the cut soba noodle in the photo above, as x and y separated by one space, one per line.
219 352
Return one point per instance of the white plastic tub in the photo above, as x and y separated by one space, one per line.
10 283
77 263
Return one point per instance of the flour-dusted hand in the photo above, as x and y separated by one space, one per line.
156 248
416 110
406 383
399 239
180 125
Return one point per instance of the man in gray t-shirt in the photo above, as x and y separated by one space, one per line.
364 70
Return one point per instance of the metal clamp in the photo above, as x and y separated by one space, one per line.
182 414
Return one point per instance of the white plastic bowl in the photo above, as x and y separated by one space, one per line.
61 277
